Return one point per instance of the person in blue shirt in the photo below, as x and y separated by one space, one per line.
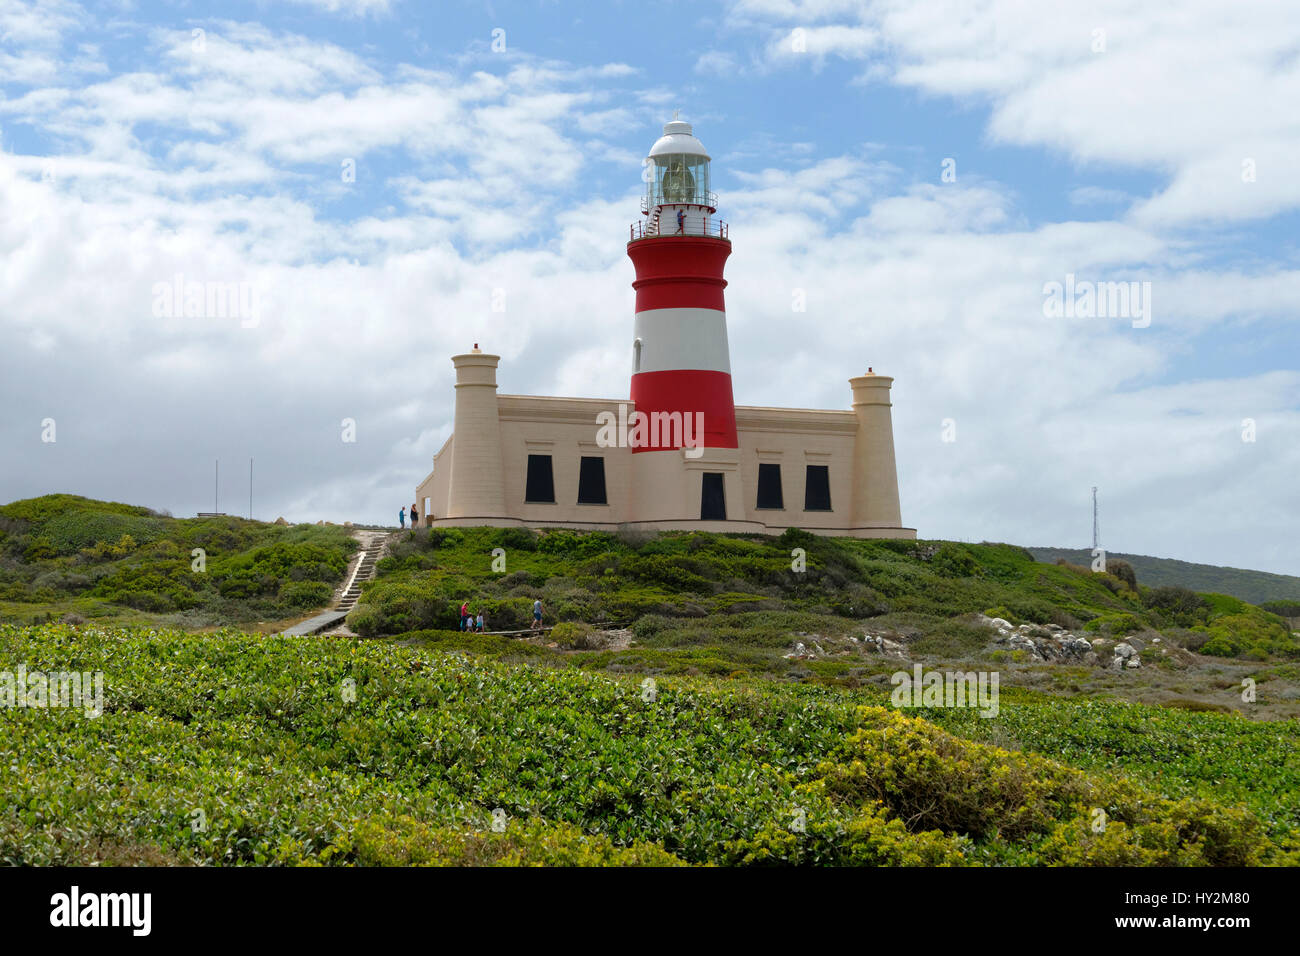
681 222
401 518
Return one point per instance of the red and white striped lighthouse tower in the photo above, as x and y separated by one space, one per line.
680 359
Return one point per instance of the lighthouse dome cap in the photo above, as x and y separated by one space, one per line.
678 138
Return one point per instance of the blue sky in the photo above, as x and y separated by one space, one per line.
129 153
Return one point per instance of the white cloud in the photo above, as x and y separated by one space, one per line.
1097 196
43 22
1189 88
351 8
717 63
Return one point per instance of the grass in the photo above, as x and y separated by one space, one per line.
65 555
230 748
400 747
700 588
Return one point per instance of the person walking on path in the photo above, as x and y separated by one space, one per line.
401 518
464 615
480 622
537 614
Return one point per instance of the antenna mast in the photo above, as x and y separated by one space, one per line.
1096 532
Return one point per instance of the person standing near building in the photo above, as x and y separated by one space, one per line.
401 518
681 222
415 517
537 614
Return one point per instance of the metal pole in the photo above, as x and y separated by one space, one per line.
250 489
216 482
1096 531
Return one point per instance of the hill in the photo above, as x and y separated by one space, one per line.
703 698
68 555
230 748
1257 587
741 598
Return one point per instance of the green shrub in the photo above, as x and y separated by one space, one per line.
253 729
953 560
403 841
306 594
515 539
445 537
1117 625
1177 605
1122 570
650 625
574 635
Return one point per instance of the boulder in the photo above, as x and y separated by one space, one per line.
1076 647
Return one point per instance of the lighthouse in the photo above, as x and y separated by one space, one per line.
681 364
692 460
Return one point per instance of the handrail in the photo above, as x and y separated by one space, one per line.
715 228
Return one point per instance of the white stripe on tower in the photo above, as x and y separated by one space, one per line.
683 339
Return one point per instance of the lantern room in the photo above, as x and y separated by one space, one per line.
677 169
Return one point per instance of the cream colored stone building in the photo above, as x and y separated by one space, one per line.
677 454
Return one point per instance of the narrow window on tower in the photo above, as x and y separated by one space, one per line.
591 481
817 489
636 356
769 487
541 482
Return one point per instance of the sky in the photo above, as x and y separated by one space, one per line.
388 182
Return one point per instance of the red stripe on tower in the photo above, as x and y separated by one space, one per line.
681 361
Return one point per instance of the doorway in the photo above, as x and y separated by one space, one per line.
713 500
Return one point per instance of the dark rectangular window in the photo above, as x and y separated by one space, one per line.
541 482
769 487
713 500
591 481
817 489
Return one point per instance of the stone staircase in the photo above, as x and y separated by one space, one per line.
365 571
373 544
